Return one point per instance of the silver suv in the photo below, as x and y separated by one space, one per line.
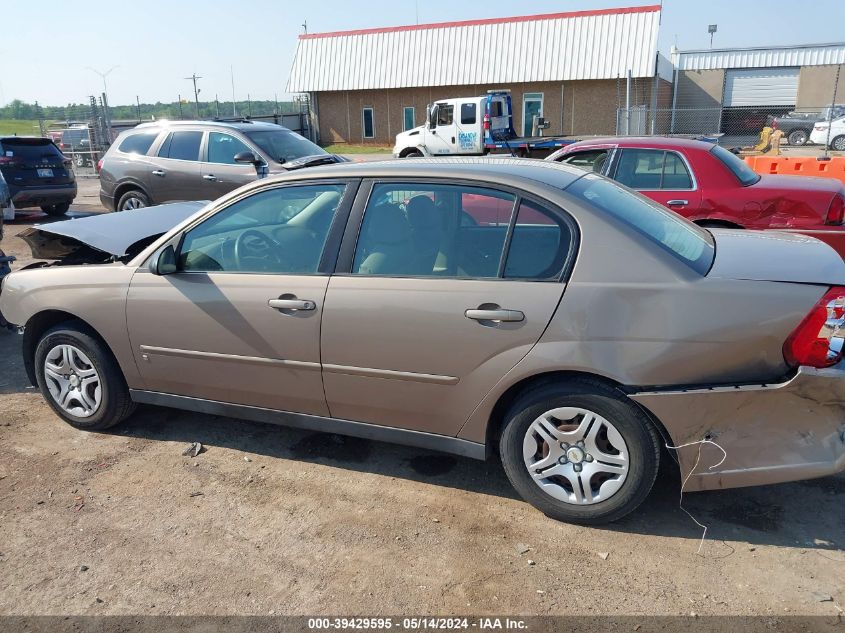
198 160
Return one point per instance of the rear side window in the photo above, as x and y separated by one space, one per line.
137 143
539 244
467 113
736 165
687 242
589 160
183 145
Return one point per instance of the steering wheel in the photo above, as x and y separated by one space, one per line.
256 251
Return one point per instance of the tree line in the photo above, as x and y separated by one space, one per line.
17 109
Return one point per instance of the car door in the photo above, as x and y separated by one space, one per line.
175 174
467 128
436 299
664 176
441 135
220 173
239 321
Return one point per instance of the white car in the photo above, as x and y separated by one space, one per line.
836 134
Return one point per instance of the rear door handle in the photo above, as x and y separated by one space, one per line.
677 203
494 315
292 304
158 172
210 177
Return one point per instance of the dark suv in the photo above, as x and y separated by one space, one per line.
37 173
198 160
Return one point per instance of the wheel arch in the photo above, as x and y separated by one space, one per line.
126 187
43 321
498 415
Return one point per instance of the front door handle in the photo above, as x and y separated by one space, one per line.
494 315
677 203
292 304
158 172
210 177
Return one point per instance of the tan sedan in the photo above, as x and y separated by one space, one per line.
475 306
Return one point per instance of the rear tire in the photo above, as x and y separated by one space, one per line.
133 199
603 444
80 379
798 137
415 154
838 144
56 209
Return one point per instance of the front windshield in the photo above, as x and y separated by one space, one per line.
283 145
738 167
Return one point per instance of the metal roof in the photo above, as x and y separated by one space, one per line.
601 44
761 57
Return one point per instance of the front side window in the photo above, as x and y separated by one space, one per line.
137 143
468 113
652 169
684 240
445 114
457 231
281 231
369 126
182 145
222 148
589 160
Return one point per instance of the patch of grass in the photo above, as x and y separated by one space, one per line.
347 148
19 127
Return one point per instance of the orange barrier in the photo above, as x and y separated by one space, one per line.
799 166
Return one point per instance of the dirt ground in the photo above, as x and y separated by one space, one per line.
276 521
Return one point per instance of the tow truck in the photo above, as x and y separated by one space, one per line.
475 126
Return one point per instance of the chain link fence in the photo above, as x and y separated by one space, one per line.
733 126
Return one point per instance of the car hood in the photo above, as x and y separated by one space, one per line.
103 236
775 256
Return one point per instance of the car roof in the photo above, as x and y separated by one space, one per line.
493 170
243 125
659 142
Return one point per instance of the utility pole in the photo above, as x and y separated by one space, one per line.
180 106
232 75
217 105
194 78
712 28
138 107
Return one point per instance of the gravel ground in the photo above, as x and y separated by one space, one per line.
276 521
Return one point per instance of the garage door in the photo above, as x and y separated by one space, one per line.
761 87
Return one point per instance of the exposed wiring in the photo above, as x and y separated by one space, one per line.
700 443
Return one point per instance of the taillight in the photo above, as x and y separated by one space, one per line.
11 161
774 125
817 341
99 165
836 211
486 121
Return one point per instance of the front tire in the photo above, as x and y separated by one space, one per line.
838 144
415 154
133 199
56 210
580 452
80 379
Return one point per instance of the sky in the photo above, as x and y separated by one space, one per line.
153 45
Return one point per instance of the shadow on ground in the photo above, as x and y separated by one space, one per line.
806 515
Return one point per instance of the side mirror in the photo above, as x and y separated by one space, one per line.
164 262
247 158
428 116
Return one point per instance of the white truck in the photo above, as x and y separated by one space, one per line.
473 126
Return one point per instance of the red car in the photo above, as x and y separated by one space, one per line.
713 187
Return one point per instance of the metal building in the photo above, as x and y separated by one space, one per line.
368 85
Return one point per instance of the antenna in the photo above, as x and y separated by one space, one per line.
305 27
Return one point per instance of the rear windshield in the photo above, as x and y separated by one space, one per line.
687 242
282 145
28 147
738 167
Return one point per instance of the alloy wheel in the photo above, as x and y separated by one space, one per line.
73 381
132 203
576 455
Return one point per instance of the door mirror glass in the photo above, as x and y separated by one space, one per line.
247 158
164 262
